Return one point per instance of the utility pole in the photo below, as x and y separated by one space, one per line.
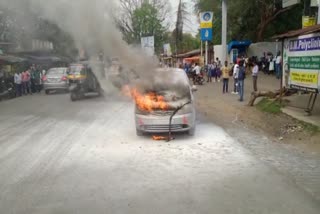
207 53
224 30
318 21
306 11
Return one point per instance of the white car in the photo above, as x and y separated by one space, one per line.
170 90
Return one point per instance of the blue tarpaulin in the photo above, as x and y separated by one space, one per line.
240 45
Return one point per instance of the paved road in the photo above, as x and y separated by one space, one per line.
62 157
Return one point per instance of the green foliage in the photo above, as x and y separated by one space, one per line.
145 19
269 106
20 27
145 22
62 42
188 42
254 20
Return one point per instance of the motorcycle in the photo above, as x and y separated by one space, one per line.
7 89
198 79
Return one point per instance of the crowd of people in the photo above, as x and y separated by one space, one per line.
28 81
216 72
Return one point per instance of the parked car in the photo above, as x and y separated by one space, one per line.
170 95
55 79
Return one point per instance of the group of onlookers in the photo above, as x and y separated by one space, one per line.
28 81
270 64
215 72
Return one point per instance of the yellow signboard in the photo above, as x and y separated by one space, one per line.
206 25
305 78
308 21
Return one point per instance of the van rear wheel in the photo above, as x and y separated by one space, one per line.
73 96
139 132
192 131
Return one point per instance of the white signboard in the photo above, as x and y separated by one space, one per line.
288 3
314 3
147 44
302 62
167 50
206 19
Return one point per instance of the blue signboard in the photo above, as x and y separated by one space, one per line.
206 34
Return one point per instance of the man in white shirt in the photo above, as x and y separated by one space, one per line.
197 69
278 65
255 71
18 82
235 78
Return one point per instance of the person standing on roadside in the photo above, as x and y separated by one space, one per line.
209 72
36 79
235 78
255 72
219 66
26 78
225 77
241 78
278 65
18 82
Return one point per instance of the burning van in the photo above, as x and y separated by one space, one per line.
165 103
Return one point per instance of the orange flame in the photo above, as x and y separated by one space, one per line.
159 138
146 102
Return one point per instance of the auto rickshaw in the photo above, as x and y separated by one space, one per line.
82 81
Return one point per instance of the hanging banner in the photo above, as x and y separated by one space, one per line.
288 3
206 19
147 44
167 50
302 62
308 21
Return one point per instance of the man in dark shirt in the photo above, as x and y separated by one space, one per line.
241 78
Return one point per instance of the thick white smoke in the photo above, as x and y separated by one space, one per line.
91 25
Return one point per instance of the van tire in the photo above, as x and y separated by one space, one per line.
192 131
139 133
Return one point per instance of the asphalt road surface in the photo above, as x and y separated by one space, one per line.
84 157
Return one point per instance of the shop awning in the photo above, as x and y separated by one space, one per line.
192 59
11 59
241 45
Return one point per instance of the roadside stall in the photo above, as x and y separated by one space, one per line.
10 64
301 62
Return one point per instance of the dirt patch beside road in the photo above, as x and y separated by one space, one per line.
226 111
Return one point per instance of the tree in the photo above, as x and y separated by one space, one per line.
20 27
256 20
143 18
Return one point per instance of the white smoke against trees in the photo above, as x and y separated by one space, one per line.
91 25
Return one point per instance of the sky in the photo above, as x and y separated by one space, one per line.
190 26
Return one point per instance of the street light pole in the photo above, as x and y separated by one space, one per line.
318 22
224 30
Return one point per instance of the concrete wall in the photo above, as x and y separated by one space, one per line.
255 49
217 51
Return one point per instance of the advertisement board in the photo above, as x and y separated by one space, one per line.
147 44
288 3
206 34
206 20
302 62
167 50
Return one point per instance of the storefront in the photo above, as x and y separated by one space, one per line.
301 61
